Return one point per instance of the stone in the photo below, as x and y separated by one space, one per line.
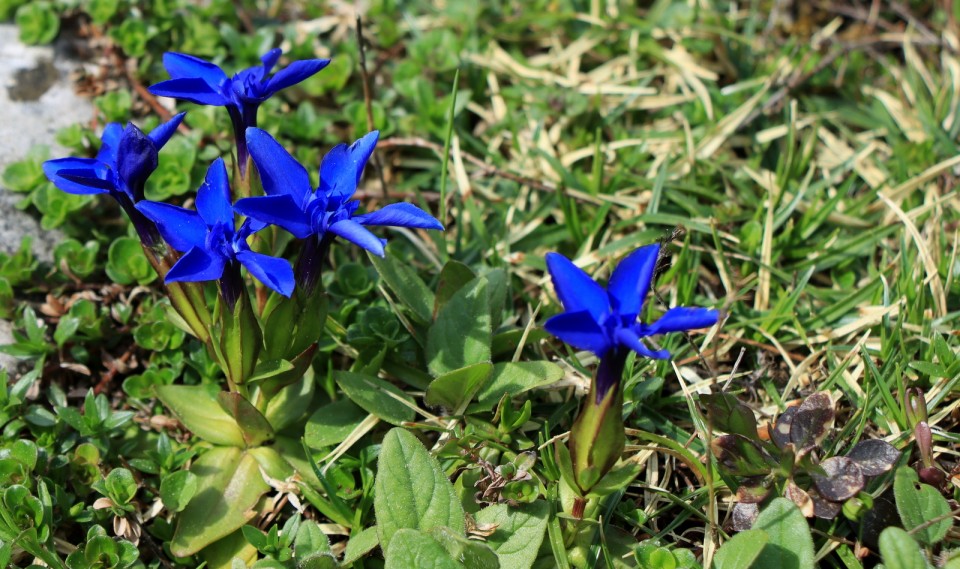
37 99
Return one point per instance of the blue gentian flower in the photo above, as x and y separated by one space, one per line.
204 83
317 215
126 159
214 249
605 321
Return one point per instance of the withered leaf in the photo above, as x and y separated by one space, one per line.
728 414
823 508
874 457
841 479
739 456
753 490
743 516
811 422
799 496
780 434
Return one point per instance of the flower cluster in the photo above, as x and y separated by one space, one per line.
214 245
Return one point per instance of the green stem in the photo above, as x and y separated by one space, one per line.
187 298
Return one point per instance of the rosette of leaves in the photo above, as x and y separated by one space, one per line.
790 462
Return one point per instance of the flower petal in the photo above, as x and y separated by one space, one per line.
213 197
189 89
181 228
342 167
630 282
359 235
683 318
273 272
109 143
281 173
183 66
86 175
630 339
196 266
162 133
576 290
295 73
400 215
277 210
580 330
270 59
136 160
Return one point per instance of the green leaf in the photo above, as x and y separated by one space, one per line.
900 551
376 396
453 276
728 414
254 426
515 378
38 23
361 544
127 264
268 369
310 540
200 412
471 554
177 489
519 532
919 503
102 10
455 389
120 486
404 282
413 548
790 545
229 486
291 403
462 333
332 424
411 490
741 550
317 561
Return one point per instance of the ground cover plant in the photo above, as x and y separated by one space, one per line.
551 284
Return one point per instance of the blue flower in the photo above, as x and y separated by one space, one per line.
214 249
204 83
126 159
605 321
292 203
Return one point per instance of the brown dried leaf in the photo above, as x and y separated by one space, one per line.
841 479
799 496
874 456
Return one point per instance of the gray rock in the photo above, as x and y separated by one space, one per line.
36 100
